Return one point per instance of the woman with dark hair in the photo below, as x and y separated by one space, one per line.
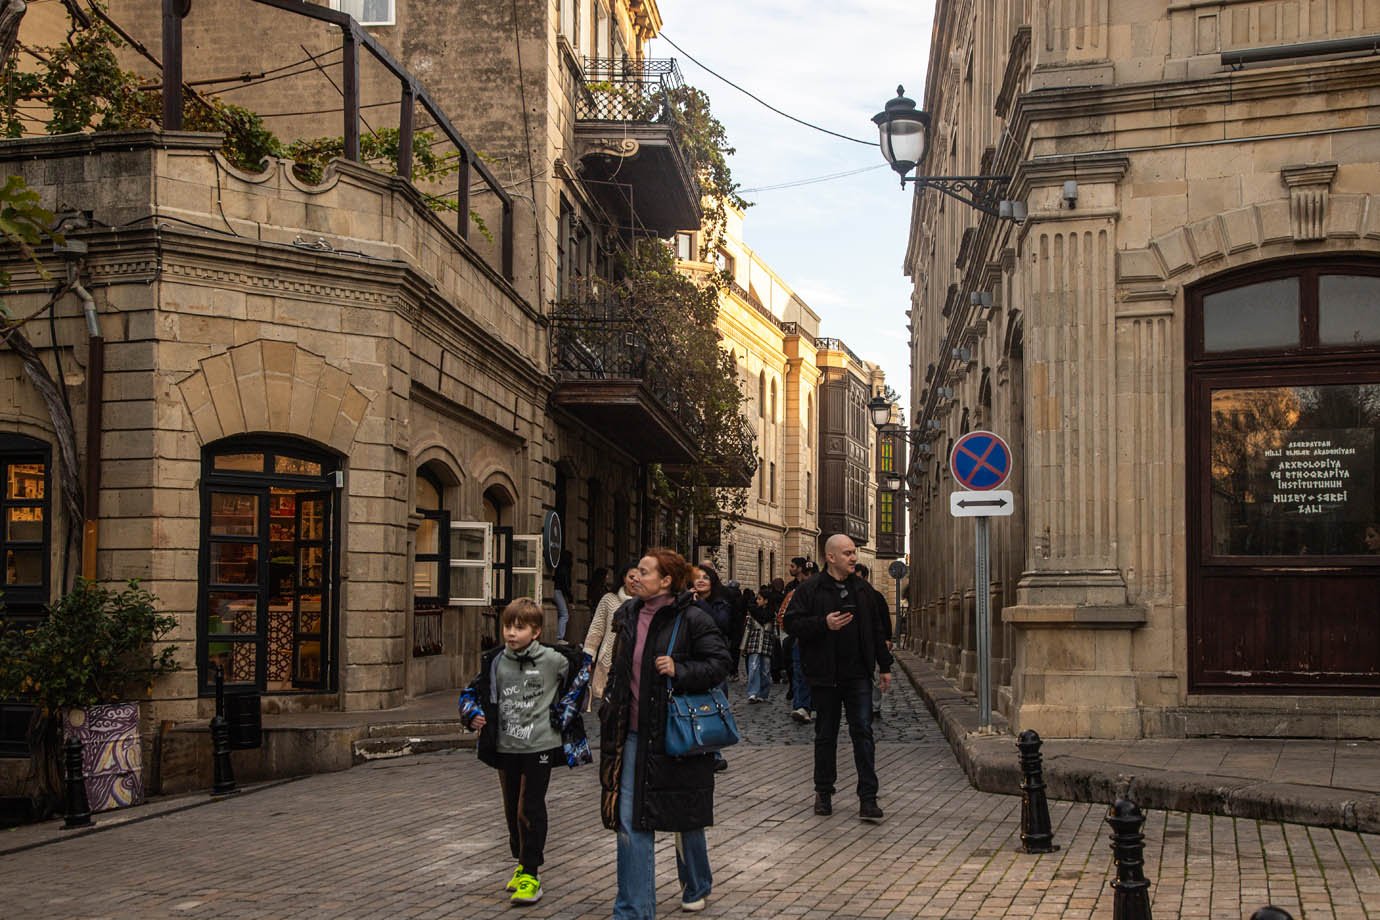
710 595
759 642
644 789
599 636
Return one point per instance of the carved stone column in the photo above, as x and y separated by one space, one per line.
1073 669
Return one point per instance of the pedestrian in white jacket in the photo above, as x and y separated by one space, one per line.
599 637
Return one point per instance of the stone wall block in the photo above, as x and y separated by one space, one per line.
352 409
1175 251
328 397
1139 265
307 370
1345 216
279 364
1208 239
248 361
1275 226
225 393
1371 223
1242 229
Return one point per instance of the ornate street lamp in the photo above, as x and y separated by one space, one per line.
904 132
880 411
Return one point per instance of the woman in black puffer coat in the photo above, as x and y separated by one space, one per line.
644 789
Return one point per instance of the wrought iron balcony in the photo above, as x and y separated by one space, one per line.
607 377
628 144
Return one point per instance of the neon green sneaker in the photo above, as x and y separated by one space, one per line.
513 882
528 890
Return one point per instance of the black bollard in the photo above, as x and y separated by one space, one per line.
1270 912
77 809
1132 901
223 782
1036 834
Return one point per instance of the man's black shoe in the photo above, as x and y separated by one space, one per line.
823 804
869 811
720 765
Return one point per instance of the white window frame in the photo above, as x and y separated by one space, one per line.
392 12
485 565
534 570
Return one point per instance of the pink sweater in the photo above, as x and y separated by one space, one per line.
644 622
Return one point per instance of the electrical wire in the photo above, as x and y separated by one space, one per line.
812 181
760 100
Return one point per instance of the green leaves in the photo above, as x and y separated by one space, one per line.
95 646
24 222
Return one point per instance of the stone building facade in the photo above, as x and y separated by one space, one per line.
334 419
784 365
1179 341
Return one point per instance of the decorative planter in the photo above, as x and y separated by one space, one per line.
112 756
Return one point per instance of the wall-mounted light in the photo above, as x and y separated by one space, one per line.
1070 194
904 134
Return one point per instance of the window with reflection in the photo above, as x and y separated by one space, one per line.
430 575
1293 470
267 565
26 540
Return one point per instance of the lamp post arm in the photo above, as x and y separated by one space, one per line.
980 192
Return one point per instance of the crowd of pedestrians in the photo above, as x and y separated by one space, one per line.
661 625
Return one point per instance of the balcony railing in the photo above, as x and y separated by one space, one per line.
625 90
630 139
827 344
591 339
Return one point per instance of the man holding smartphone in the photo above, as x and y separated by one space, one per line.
837 626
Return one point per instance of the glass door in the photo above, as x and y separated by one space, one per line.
267 568
312 529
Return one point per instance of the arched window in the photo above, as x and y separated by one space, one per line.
762 394
430 581
773 416
269 562
1283 371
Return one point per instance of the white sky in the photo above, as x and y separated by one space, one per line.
838 244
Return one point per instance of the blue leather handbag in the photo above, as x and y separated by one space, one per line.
697 723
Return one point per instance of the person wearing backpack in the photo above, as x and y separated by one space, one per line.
525 704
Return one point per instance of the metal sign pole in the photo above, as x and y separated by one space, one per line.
984 629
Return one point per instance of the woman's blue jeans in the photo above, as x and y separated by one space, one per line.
637 854
759 675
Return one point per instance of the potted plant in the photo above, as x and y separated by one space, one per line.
83 668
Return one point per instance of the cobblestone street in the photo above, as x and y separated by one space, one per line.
421 837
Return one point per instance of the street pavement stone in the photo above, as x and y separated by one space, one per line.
423 837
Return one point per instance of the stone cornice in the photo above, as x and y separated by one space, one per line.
1017 70
1229 88
1047 171
67 145
170 251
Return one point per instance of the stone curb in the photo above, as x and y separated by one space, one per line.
991 764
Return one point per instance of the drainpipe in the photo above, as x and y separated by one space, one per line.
95 378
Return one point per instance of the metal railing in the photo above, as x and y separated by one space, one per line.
592 338
828 344
617 89
353 37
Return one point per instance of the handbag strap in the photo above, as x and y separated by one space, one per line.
675 628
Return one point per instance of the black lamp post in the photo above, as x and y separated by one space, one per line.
904 131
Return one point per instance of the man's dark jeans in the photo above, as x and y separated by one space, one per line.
853 699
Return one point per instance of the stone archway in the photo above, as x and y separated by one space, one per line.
279 387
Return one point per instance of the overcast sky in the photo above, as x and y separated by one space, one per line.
838 244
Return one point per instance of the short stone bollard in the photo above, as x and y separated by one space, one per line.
223 772
1132 900
77 809
1270 912
1036 834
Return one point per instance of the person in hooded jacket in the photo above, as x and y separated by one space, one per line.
644 789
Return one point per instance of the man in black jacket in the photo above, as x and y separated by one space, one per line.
835 621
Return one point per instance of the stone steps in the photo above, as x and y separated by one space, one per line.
389 747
